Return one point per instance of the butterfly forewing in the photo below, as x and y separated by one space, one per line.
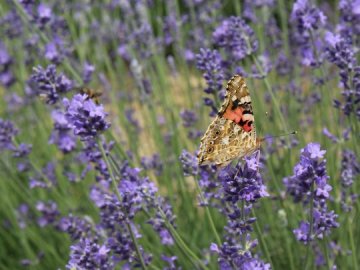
232 133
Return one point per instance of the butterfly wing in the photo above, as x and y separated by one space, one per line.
232 133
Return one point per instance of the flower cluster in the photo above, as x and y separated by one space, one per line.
209 62
50 85
236 37
61 135
241 187
86 118
7 134
206 177
189 119
6 76
117 214
307 16
309 185
350 169
340 51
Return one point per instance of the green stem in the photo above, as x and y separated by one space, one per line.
311 218
262 241
118 195
133 238
194 258
208 214
353 248
268 86
326 251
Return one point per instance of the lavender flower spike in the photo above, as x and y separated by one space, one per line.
86 118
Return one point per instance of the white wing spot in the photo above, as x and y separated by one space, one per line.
225 140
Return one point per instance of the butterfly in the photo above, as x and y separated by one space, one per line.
232 134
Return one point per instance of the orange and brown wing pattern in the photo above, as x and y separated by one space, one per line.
232 133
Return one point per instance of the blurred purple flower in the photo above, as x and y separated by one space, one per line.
61 134
328 134
76 227
209 62
89 254
171 262
349 18
86 118
44 14
236 37
49 213
339 51
50 85
306 16
283 65
243 183
87 73
189 118
7 78
55 50
11 24
309 185
153 163
350 169
7 134
158 222
23 215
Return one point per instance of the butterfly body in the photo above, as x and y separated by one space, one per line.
232 133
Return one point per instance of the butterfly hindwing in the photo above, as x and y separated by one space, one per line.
232 133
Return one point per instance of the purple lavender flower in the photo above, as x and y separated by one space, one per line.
158 222
350 169
236 37
49 213
50 85
189 118
88 254
116 216
339 51
171 261
170 28
328 134
76 227
55 50
11 24
349 18
207 178
153 163
21 153
87 118
44 14
209 62
23 215
61 134
6 76
306 16
243 184
7 134
309 185
87 73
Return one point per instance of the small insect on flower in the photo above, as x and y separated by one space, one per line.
91 93
232 133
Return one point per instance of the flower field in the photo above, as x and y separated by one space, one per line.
104 163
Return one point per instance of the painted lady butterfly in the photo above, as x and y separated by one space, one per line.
232 133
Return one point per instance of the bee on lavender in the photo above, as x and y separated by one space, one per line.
91 93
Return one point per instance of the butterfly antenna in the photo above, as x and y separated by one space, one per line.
294 132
